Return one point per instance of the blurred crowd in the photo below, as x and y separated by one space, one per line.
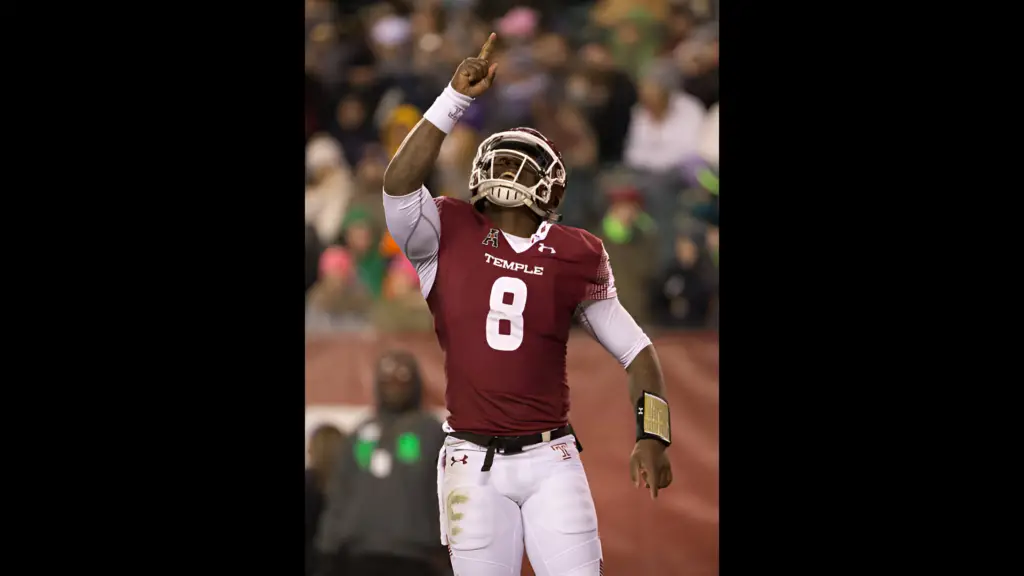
627 89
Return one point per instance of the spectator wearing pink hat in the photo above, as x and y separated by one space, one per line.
519 23
336 265
338 291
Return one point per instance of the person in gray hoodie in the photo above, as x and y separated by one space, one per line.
381 516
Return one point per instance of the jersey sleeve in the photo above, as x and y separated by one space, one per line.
414 221
602 287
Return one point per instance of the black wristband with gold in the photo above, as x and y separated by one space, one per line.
652 419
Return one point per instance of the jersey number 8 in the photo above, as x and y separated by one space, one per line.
505 320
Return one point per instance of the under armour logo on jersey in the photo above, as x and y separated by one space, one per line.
492 238
544 247
465 460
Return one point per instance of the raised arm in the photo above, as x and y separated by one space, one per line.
414 159
413 218
418 153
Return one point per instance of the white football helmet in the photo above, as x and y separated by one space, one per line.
519 167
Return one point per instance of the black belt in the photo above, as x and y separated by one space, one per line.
513 444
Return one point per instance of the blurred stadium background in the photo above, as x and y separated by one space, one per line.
628 89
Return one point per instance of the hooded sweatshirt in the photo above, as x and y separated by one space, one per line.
382 499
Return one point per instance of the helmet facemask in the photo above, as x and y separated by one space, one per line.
511 170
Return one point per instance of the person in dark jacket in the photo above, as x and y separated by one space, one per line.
382 508
324 447
682 297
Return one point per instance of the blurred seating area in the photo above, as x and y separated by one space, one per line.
627 89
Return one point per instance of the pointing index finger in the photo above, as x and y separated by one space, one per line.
485 52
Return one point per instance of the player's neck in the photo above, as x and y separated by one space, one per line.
514 221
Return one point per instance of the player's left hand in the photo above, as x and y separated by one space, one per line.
649 465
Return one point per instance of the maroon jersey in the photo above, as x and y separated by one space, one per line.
503 318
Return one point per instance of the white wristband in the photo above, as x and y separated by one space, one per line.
447 109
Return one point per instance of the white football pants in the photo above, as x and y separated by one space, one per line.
539 498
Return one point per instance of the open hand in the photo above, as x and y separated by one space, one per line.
475 75
649 465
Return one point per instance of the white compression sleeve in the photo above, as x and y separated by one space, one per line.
615 329
415 224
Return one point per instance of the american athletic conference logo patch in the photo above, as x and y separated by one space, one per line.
492 238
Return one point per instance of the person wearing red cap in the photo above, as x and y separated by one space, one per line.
628 234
